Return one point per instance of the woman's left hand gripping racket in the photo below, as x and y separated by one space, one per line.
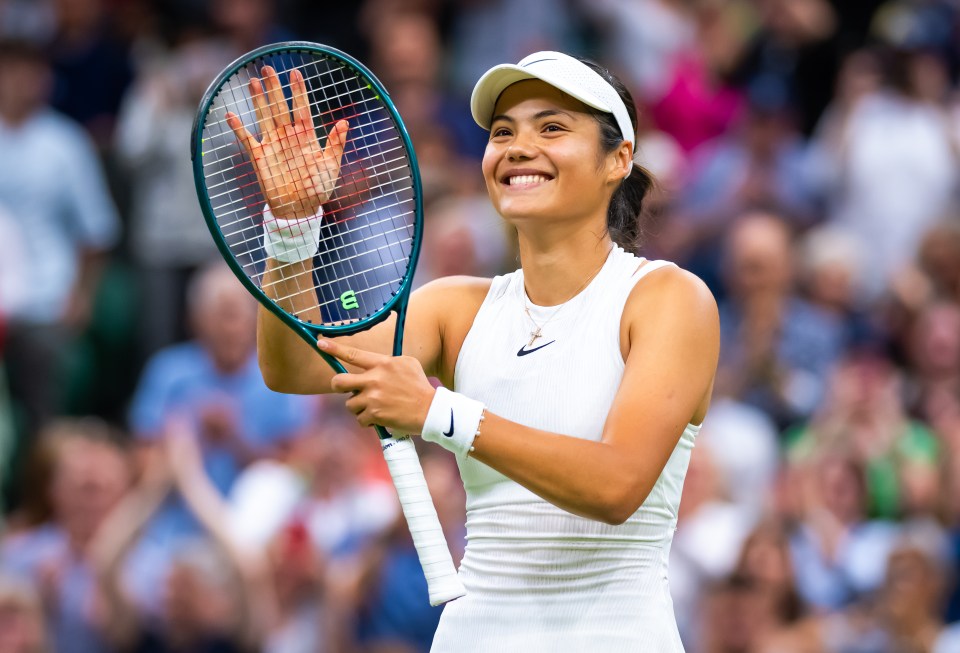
263 171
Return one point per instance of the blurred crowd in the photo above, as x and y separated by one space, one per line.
158 497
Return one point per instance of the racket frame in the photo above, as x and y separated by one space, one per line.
444 585
309 331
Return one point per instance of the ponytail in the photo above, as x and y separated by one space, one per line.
624 215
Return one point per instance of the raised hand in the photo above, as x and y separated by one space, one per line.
295 174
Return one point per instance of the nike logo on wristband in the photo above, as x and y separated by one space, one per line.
524 352
449 433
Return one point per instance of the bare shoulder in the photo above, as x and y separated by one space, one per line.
450 297
671 288
671 299
446 288
450 303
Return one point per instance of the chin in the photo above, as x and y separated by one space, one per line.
524 211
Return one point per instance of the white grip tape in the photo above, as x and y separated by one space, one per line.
291 241
442 580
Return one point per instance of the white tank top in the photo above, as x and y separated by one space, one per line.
539 578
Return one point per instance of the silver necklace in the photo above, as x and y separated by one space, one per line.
538 328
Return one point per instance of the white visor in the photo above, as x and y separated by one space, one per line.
559 70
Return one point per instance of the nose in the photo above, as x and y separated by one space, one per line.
521 148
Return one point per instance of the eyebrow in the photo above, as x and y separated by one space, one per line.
546 113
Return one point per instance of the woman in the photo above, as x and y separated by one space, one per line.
589 368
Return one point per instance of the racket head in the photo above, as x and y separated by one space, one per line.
372 225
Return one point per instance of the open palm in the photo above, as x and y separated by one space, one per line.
295 174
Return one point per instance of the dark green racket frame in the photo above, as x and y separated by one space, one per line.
308 331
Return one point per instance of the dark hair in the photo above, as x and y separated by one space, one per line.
624 216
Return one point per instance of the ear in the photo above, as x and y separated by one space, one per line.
620 160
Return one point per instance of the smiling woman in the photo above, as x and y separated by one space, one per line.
573 388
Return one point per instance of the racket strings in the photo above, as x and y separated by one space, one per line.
366 234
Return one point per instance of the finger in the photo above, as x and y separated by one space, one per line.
351 355
336 142
364 418
348 382
301 101
276 100
264 119
247 140
356 404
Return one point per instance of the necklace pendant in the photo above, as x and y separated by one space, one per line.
533 337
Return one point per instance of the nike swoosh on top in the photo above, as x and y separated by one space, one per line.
449 433
524 352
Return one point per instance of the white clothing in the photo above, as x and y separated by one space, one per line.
539 578
894 180
52 186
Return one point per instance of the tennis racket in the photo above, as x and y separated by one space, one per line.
309 127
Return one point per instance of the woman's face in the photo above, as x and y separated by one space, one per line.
544 159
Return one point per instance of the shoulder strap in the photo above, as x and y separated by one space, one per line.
648 267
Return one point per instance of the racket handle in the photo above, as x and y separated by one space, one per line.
443 583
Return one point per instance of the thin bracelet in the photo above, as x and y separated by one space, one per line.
473 445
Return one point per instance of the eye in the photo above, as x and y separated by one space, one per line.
553 127
499 131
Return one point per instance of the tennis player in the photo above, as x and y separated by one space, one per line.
573 388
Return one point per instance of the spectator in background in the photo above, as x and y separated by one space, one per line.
89 473
832 267
322 482
863 414
92 67
903 616
215 597
934 275
486 32
757 166
755 608
215 383
320 512
838 554
21 618
169 239
464 236
700 103
735 617
744 443
939 258
776 349
765 560
13 291
51 184
885 155
711 530
32 20
314 609
394 612
246 24
643 40
406 56
933 385
794 57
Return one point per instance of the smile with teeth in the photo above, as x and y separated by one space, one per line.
527 180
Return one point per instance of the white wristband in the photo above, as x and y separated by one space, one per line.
453 421
291 241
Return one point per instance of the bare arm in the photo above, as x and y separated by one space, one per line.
438 317
257 607
668 376
118 618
